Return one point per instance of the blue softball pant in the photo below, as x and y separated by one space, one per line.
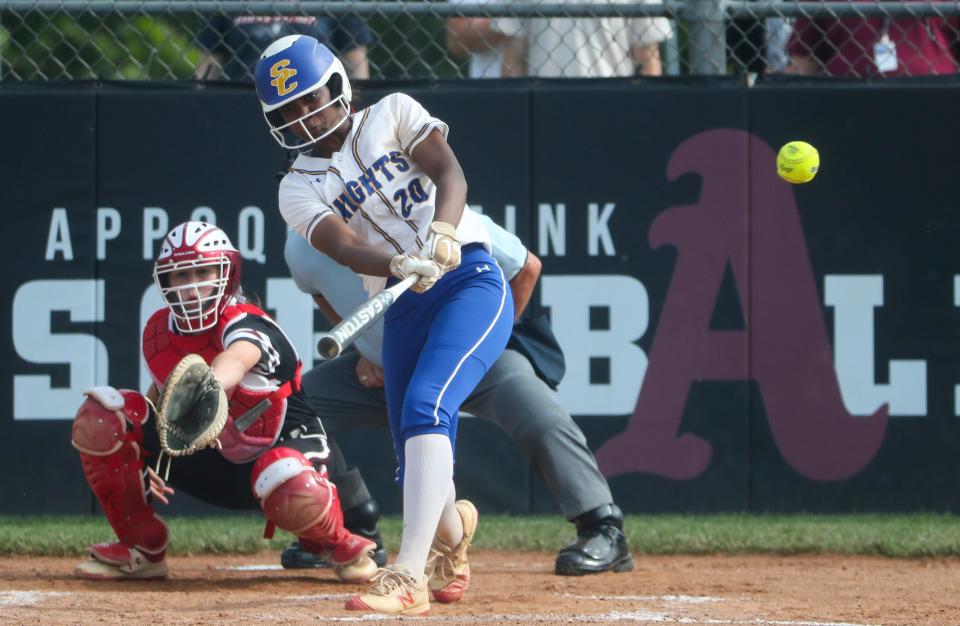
439 344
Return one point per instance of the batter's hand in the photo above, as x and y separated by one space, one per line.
404 265
158 488
369 374
442 246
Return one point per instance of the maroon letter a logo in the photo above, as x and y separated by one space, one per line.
746 217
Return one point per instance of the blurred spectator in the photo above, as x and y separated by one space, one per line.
778 34
475 37
584 47
757 45
233 44
864 47
590 47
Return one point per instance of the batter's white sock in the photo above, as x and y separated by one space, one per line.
450 529
427 475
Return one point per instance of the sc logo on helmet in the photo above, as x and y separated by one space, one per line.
281 74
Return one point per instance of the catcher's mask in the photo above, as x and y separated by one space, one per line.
196 306
290 68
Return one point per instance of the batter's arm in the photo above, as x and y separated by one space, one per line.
334 238
437 160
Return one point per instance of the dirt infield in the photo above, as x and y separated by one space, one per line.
507 588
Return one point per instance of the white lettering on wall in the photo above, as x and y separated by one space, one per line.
34 396
250 235
625 298
598 230
854 299
108 228
58 237
552 229
155 228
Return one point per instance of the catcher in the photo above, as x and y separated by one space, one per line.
207 345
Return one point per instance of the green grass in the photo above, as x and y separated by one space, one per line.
908 535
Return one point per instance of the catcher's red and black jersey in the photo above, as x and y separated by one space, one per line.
275 377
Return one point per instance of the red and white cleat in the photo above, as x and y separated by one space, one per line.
394 592
448 568
115 561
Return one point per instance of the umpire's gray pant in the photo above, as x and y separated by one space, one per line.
510 395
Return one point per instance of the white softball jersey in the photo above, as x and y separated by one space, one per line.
373 184
316 273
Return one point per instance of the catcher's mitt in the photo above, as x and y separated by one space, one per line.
193 408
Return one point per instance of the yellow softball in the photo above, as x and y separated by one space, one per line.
798 162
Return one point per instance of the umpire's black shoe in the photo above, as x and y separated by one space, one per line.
600 546
362 520
295 556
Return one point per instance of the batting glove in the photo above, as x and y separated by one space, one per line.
442 246
404 265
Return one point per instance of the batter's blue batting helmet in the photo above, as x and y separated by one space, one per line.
290 68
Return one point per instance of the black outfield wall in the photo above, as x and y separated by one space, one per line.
733 342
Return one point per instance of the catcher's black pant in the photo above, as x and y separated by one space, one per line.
209 477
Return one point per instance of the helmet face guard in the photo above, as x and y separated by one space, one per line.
290 68
284 134
196 305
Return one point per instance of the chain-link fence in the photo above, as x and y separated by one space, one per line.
184 39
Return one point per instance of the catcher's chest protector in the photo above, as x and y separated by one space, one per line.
163 349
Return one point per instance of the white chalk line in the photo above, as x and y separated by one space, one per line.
28 598
643 616
249 568
678 599
320 597
32 598
640 617
615 616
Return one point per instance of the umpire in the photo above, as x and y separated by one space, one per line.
517 394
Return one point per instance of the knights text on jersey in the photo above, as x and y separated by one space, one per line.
373 183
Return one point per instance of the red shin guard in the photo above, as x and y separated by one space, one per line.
107 431
300 500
